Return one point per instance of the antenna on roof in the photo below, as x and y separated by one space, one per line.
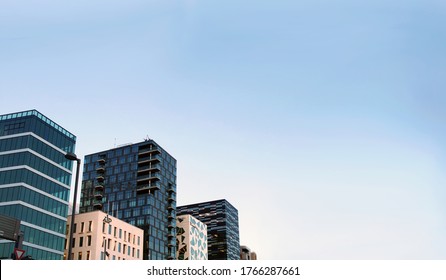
147 138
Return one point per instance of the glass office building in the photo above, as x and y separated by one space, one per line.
35 182
137 184
221 219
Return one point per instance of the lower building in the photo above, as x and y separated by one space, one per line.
192 239
99 236
221 219
247 254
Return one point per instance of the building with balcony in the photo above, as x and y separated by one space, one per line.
35 182
137 184
191 239
99 236
221 219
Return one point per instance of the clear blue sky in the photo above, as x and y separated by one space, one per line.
322 122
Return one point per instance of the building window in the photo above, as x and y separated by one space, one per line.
109 229
81 241
74 228
82 227
79 256
114 233
89 240
73 242
88 255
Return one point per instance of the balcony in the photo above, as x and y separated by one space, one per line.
99 187
98 195
148 178
151 149
151 158
100 169
100 178
171 190
97 204
101 161
147 189
149 168
170 207
170 199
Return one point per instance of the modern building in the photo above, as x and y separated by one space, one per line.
247 254
192 239
35 182
221 219
137 184
97 234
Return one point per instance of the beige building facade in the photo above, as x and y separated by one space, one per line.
98 236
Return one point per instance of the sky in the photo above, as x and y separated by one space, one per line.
322 122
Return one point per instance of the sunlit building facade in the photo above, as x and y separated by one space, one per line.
99 236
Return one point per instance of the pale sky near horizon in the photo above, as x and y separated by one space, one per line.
322 122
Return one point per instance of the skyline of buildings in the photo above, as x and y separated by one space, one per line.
135 183
35 182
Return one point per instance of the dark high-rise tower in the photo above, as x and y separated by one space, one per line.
221 219
35 181
137 184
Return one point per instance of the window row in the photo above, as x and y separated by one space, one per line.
42 238
52 133
45 128
28 177
116 246
121 234
26 158
34 217
34 198
34 144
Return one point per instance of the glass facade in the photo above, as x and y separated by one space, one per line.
221 219
137 184
35 182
